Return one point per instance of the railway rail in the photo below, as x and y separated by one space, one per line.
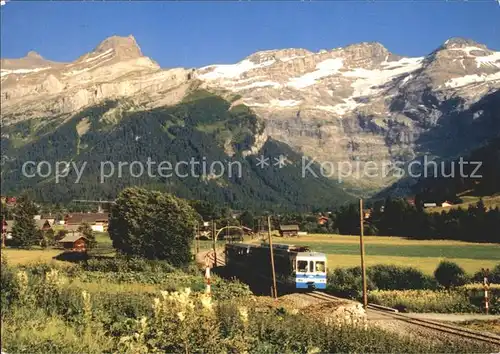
392 314
220 258
432 325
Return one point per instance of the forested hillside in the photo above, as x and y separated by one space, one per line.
202 127
480 176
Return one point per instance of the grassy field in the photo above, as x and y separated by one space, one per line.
18 256
489 202
343 251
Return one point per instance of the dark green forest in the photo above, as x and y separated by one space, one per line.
397 217
202 126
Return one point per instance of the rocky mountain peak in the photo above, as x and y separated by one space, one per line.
280 54
366 49
124 47
460 43
33 55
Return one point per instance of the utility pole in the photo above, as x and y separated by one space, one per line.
197 238
214 229
275 290
362 249
258 229
4 231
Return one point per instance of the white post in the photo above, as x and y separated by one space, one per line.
207 277
486 288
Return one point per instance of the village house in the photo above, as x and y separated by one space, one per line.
430 205
247 231
8 200
50 218
74 242
97 221
7 229
43 225
8 225
289 230
322 220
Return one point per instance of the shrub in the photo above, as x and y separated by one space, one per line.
226 290
391 277
65 317
423 300
450 274
126 264
475 292
493 276
32 331
8 285
347 282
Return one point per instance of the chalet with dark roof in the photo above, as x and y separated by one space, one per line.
289 230
74 242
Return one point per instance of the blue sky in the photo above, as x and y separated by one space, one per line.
193 34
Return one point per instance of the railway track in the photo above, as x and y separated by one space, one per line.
221 261
391 314
430 325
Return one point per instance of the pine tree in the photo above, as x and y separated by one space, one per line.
86 230
25 233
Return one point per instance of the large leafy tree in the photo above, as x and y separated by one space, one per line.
153 225
25 233
86 230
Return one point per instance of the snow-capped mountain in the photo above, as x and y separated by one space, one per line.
360 102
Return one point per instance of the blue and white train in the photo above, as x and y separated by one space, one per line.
295 266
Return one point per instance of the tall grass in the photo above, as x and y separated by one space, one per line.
51 310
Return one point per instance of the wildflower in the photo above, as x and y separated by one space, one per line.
181 316
156 306
22 278
243 312
206 302
314 350
54 278
143 322
87 305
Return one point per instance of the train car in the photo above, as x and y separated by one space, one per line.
310 271
295 266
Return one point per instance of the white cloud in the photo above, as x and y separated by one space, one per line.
3 2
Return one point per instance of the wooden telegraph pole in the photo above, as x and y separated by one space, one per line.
275 290
362 249
197 238
214 229
4 232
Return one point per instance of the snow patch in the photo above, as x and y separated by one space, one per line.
232 70
405 80
489 60
258 84
285 59
342 108
78 72
325 68
367 80
276 103
4 72
468 49
99 56
471 79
